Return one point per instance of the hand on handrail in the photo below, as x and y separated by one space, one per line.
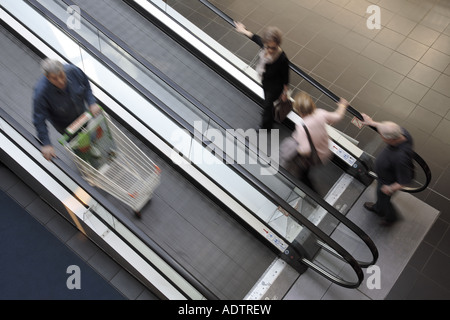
240 27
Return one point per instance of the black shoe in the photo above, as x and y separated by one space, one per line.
370 206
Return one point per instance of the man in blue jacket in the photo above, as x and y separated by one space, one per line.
61 95
393 166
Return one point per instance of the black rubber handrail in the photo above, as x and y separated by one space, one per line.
335 98
256 183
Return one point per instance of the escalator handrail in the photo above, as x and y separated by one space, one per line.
256 183
326 274
335 98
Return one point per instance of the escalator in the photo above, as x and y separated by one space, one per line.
307 235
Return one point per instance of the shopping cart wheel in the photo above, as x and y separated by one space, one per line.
138 214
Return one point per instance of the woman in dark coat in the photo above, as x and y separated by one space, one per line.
272 67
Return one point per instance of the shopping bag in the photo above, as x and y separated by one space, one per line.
282 108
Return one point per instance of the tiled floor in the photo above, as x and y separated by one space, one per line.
400 72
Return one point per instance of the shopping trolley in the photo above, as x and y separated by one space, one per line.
109 160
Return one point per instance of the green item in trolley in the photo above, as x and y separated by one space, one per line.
83 148
84 142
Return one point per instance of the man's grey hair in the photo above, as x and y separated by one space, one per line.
390 130
51 66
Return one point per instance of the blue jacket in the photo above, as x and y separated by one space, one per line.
60 107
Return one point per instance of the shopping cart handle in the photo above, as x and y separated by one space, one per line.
78 123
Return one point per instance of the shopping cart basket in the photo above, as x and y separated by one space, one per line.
109 160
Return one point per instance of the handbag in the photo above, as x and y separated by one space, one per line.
282 108
307 162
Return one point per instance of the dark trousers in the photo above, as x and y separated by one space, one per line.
269 98
384 206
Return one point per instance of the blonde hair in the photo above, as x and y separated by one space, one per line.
303 104
272 33
390 130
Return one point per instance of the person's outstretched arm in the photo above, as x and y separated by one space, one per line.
342 107
240 27
338 114
368 121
